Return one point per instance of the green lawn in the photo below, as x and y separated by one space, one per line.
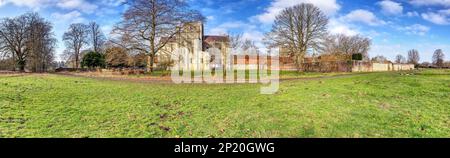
390 104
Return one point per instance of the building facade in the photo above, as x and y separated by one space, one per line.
192 37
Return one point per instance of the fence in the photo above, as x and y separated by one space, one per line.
334 66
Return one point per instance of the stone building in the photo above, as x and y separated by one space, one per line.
192 36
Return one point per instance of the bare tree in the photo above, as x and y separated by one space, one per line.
138 60
6 61
235 40
400 59
75 39
28 40
41 43
299 28
447 64
438 58
147 22
116 57
346 46
4 53
379 59
96 37
250 44
14 33
425 64
413 57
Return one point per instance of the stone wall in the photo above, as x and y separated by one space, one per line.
376 67
380 67
400 67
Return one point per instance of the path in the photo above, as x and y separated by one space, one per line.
168 80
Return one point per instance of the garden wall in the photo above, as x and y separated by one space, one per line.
375 67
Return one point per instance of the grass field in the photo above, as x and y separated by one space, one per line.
390 104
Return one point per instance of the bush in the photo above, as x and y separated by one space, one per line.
93 60
138 60
117 57
357 56
165 65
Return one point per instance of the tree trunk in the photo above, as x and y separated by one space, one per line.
21 66
76 62
298 62
14 61
150 63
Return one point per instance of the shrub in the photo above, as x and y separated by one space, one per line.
93 60
357 56
116 57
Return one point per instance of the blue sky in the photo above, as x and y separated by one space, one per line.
395 26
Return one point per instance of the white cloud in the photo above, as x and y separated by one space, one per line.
253 35
218 31
81 5
210 18
437 18
390 7
113 2
71 17
363 16
107 29
35 4
445 12
336 26
430 2
417 29
412 14
2 2
329 7
77 4
227 26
